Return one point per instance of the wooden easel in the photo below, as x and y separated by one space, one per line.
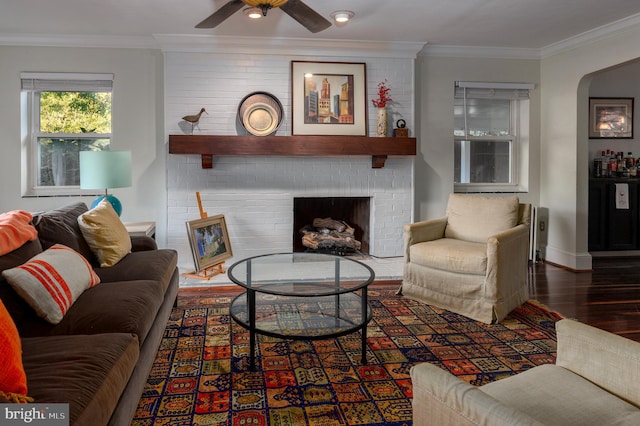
210 271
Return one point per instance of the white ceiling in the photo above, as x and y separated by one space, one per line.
533 24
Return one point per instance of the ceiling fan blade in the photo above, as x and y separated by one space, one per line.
306 16
221 14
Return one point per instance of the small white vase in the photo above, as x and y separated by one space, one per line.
381 131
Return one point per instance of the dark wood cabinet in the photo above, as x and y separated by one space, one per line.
597 215
611 227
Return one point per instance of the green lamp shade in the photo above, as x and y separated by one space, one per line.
103 170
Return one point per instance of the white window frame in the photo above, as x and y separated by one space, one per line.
32 83
518 137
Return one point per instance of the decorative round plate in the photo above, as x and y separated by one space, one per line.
260 113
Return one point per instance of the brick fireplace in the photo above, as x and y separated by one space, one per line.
257 196
256 193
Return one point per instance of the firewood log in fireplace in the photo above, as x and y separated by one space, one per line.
328 234
329 223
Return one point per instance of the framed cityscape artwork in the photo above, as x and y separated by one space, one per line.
328 98
610 118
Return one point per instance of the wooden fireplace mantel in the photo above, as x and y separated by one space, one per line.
215 145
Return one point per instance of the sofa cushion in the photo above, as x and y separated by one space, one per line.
13 380
465 212
556 396
51 281
88 372
20 255
451 255
105 233
15 230
117 307
158 265
60 226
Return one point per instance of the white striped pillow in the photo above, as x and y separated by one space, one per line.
51 281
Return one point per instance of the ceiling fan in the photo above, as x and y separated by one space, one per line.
299 11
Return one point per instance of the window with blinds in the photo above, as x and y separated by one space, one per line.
488 131
63 114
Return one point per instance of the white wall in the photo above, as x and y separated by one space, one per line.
436 76
137 123
565 81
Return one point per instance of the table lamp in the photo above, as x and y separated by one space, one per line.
104 170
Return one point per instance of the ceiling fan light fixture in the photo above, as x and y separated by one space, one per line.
261 3
253 12
341 17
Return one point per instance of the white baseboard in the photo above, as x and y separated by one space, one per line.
574 261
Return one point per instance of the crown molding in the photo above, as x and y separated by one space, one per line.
74 40
591 36
291 46
544 52
224 44
479 52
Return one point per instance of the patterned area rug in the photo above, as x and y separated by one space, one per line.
200 377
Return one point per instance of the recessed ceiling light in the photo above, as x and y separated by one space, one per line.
341 17
253 12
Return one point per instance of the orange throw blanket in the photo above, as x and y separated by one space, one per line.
15 230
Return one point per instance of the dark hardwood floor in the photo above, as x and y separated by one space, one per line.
608 297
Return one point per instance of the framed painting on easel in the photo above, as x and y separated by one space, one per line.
209 240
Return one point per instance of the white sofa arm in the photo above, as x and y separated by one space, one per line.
608 360
440 398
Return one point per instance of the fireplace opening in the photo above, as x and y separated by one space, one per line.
355 212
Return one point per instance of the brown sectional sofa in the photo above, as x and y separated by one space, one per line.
98 357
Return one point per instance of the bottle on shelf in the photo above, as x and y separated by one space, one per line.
606 163
613 164
630 160
597 167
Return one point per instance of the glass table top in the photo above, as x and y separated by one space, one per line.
304 274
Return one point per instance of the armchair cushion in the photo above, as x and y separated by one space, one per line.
451 255
464 213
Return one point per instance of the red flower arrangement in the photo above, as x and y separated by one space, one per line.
383 95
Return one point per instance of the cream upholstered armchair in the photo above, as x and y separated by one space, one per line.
474 261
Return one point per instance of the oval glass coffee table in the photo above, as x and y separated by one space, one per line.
301 296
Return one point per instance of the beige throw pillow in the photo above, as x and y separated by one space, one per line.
105 233
478 217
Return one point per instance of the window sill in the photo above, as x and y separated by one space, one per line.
489 189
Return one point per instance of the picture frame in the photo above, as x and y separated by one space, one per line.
329 98
209 241
610 118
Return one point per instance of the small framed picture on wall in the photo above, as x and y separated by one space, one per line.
610 118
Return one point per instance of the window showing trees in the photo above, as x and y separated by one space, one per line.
64 117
